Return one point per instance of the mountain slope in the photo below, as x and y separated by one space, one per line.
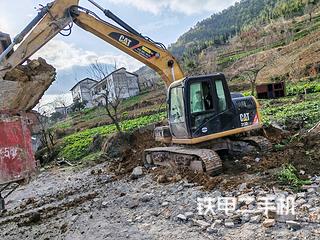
252 30
219 28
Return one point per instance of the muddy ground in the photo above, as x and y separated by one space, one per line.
92 204
104 202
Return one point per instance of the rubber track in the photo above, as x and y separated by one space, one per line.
210 159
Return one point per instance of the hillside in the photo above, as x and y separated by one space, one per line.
297 60
220 28
282 36
286 49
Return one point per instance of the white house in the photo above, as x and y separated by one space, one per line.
82 91
120 84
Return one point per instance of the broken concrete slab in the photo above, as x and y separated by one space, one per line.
22 87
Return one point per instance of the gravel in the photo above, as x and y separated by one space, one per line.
67 204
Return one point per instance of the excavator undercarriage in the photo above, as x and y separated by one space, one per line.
204 157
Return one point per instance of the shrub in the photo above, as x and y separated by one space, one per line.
288 176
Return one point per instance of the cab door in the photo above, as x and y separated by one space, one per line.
210 106
176 114
224 105
203 114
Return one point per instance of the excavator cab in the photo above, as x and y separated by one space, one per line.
201 107
205 107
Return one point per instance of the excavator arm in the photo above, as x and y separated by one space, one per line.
61 13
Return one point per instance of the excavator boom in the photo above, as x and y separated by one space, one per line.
61 13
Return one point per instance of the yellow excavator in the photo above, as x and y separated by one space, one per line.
203 115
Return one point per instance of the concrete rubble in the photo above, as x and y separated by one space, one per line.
22 88
81 205
137 172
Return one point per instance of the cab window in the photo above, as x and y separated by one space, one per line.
176 114
222 103
200 97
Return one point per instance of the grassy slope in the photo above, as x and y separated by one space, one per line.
90 122
299 29
289 110
76 146
297 107
293 108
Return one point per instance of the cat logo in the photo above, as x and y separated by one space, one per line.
244 117
124 40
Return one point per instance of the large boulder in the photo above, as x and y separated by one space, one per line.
22 87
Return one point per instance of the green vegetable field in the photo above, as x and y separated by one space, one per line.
75 146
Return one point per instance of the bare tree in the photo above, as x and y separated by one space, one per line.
252 74
112 105
47 136
253 69
111 93
61 101
98 70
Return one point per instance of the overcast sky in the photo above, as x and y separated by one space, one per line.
162 20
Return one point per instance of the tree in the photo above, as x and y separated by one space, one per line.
47 136
98 70
252 74
111 94
78 105
61 101
252 70
309 8
112 104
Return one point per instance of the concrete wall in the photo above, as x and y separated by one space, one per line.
126 83
82 91
119 80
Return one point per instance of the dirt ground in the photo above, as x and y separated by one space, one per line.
92 204
298 149
104 202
